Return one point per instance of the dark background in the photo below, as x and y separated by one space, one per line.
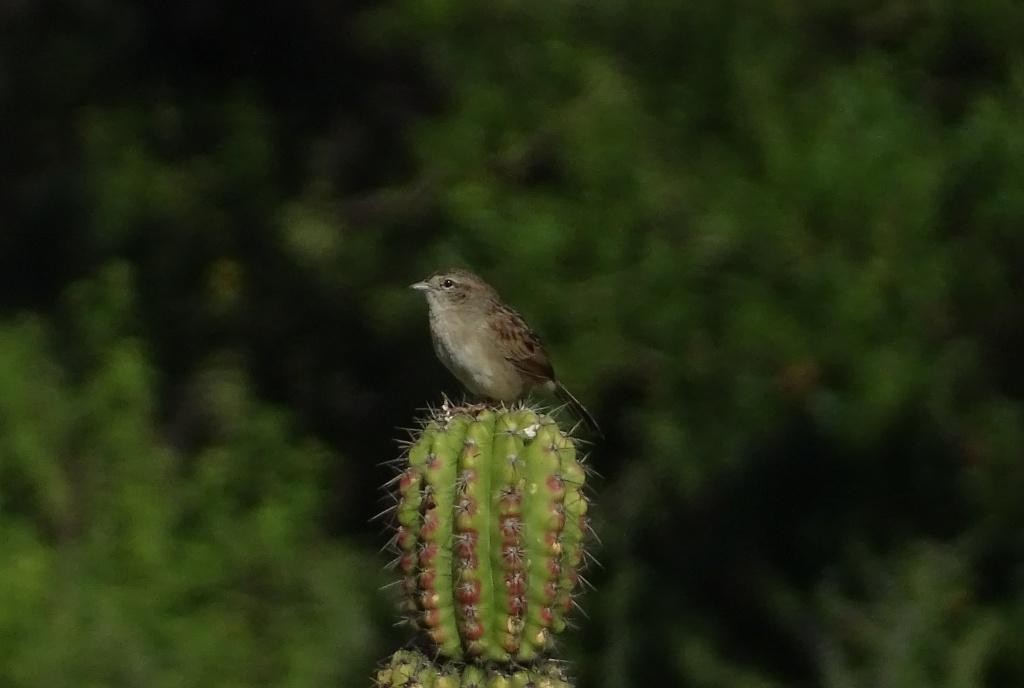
777 248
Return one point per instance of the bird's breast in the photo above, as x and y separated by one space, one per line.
469 351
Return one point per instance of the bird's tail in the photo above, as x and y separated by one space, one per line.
578 409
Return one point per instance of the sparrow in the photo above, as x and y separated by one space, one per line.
486 344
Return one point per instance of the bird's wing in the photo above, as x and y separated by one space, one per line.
521 347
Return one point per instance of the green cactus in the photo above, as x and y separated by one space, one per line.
491 521
412 669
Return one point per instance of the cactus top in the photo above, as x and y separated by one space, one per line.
411 669
491 521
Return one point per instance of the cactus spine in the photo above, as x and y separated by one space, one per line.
491 521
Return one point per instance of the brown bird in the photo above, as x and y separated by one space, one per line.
486 344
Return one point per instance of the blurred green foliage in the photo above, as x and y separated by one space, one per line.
776 247
127 561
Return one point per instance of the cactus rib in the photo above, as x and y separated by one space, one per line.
491 524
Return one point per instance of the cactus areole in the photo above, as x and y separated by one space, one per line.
491 517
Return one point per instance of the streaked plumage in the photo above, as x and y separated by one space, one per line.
486 344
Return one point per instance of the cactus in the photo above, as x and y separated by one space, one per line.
491 522
412 669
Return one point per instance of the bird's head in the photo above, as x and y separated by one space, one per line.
454 288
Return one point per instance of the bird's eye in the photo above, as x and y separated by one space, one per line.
448 284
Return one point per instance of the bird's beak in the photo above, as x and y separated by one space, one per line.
420 286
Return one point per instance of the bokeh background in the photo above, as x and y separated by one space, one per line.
777 248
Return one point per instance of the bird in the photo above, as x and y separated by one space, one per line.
487 345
